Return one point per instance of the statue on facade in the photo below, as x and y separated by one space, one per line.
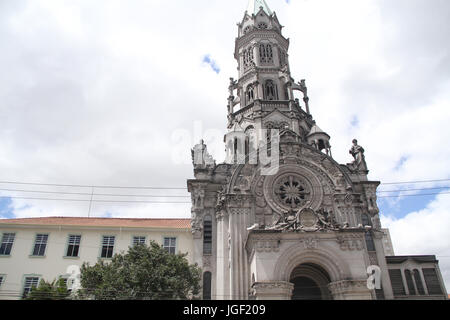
200 155
304 90
357 152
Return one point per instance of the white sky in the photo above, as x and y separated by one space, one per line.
115 93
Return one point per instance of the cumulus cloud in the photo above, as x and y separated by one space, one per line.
108 93
424 232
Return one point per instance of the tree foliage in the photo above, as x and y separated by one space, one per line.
55 290
144 272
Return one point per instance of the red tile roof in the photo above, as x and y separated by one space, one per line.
102 222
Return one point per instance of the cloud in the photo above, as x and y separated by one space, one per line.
97 92
424 232
207 59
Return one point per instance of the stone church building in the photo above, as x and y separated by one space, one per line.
280 218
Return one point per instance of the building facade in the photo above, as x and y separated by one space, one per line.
49 248
280 218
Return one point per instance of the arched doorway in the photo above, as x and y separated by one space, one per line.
310 282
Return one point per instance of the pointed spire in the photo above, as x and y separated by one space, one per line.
255 5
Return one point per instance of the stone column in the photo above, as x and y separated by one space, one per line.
273 290
381 259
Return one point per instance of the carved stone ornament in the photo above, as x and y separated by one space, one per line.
310 243
304 220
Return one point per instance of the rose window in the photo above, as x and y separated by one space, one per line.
291 191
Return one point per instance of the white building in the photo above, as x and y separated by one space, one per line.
46 248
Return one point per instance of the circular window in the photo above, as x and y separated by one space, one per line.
262 25
247 29
292 191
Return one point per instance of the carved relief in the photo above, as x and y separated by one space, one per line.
310 243
198 196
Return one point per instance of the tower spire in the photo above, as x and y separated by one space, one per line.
255 5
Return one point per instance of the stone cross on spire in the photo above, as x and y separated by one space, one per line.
255 5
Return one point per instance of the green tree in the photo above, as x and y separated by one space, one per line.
55 290
144 272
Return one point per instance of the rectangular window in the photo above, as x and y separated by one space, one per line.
40 244
138 240
73 246
397 282
170 244
432 281
1 280
207 237
7 242
108 246
30 282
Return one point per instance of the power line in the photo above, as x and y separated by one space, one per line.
413 195
87 200
91 186
96 194
169 188
419 181
418 189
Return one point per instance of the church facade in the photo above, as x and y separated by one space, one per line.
280 218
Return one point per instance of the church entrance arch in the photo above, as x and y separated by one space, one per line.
310 282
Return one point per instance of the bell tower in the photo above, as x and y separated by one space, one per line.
307 228
263 95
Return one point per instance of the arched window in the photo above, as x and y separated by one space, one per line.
248 57
245 56
207 235
365 220
270 90
269 53
410 283
207 285
369 241
282 57
249 94
418 281
265 53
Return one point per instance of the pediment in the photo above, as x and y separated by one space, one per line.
276 117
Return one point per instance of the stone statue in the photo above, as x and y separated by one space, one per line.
200 155
357 152
304 89
232 86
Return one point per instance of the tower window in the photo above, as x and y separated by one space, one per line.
282 57
369 241
262 25
248 58
250 94
265 53
270 90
